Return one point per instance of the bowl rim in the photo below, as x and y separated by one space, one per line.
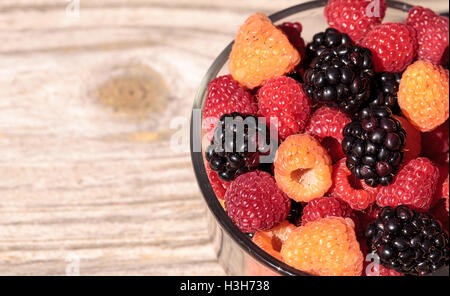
242 239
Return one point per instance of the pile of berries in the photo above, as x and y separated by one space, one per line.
333 155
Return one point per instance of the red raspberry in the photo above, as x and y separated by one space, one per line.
445 190
254 202
435 144
389 38
443 175
284 98
414 186
294 33
432 34
225 96
350 189
220 187
327 122
355 17
325 207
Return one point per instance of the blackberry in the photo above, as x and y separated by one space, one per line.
340 77
408 241
237 146
296 75
329 39
373 144
384 91
295 214
267 167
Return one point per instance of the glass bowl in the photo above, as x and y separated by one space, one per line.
236 252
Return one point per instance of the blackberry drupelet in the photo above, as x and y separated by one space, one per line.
237 146
408 241
384 91
340 76
266 167
373 144
329 39
295 214
296 75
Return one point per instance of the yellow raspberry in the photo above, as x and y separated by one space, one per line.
325 247
423 95
261 52
303 168
272 240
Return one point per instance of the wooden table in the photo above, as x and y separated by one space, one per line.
89 183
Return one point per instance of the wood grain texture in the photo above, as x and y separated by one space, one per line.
84 172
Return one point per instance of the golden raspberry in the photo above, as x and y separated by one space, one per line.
272 240
423 95
303 168
260 52
325 247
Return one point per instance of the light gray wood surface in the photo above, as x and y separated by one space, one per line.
87 174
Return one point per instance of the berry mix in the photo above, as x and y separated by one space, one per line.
360 163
